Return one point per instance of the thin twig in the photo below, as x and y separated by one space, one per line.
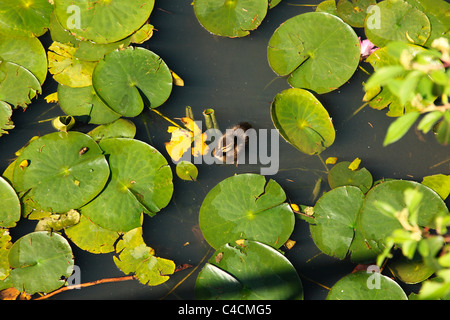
87 284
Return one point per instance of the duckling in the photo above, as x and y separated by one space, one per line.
232 143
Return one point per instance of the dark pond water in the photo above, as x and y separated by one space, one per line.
233 77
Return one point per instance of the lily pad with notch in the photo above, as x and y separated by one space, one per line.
140 182
302 121
40 261
230 18
61 171
10 209
317 50
341 175
128 79
103 21
396 20
251 271
246 206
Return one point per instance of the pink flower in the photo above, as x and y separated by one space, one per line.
367 48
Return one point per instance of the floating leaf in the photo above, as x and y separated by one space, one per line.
5 245
396 21
253 271
24 17
5 118
409 271
58 222
187 171
26 52
17 84
136 257
318 50
439 183
103 21
377 225
63 123
121 128
230 18
10 205
364 285
341 175
55 163
68 70
90 237
128 79
140 182
354 12
302 121
246 206
336 214
85 105
39 260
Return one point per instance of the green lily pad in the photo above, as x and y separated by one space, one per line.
186 170
396 21
230 18
26 52
103 21
253 271
5 118
140 182
128 79
136 257
341 175
90 237
246 206
17 84
85 105
439 183
61 171
302 121
437 12
120 128
20 18
10 209
376 225
39 260
336 214
363 285
318 50
410 271
5 246
354 12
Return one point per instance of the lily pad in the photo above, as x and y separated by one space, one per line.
5 118
302 121
253 271
68 70
85 105
336 214
26 52
103 21
396 21
25 17
187 171
410 271
128 79
246 206
17 84
39 261
136 257
10 209
140 182
230 18
364 285
121 128
317 50
341 175
377 225
354 12
61 171
92 238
